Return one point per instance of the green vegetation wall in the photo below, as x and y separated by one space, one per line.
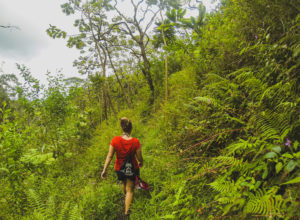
225 144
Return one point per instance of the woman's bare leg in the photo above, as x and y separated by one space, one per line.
129 187
124 186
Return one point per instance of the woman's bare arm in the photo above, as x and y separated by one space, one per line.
109 157
139 156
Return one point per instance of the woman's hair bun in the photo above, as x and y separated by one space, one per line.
126 124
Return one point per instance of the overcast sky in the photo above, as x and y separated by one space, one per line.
30 45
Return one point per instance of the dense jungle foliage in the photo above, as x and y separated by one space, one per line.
214 100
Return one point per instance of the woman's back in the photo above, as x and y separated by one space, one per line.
123 147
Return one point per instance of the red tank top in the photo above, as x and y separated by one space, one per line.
123 148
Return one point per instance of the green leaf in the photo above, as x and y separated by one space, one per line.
276 149
291 165
297 155
68 155
270 155
285 133
265 173
257 184
168 217
295 145
287 155
296 51
278 167
295 180
2 169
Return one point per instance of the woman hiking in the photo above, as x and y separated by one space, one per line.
126 148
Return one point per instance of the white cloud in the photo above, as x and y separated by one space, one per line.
21 42
31 45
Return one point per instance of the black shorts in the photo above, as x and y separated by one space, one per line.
121 177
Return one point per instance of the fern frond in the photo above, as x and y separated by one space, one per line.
241 76
75 213
224 200
51 208
254 86
240 147
273 93
222 186
265 203
225 160
36 201
64 211
245 70
250 80
178 194
36 216
207 100
213 78
218 86
273 125
285 107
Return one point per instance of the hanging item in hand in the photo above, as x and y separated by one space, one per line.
140 184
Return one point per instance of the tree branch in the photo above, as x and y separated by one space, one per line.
151 21
10 26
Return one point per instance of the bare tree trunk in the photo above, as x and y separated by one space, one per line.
119 81
166 56
166 78
99 102
146 71
104 103
89 99
129 91
103 65
111 104
103 60
133 24
104 92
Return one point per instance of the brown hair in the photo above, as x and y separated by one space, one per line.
126 125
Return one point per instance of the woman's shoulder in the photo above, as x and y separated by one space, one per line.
119 138
135 140
115 140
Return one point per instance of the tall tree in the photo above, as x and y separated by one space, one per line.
93 29
162 6
136 28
